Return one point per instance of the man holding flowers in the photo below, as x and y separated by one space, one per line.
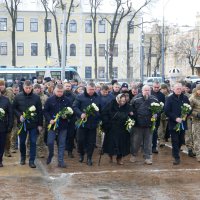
86 107
57 112
28 110
177 108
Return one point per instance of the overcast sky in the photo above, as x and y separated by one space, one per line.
177 11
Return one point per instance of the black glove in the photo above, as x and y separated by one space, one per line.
198 115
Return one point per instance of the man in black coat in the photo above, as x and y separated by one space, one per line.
161 98
23 101
173 111
53 106
142 129
6 123
86 136
71 128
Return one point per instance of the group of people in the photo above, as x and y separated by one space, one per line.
35 109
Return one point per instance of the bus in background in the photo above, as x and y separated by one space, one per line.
10 74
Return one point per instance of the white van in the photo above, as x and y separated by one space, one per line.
151 80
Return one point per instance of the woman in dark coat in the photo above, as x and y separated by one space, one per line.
117 138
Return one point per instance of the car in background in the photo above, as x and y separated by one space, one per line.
150 80
192 79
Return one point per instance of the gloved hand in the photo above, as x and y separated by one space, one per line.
198 115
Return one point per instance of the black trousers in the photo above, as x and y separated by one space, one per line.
86 140
2 144
177 139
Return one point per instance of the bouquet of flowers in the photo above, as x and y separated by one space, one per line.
185 110
129 124
30 113
2 113
155 109
90 110
64 114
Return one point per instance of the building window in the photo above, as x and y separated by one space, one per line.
47 25
3 48
131 50
3 24
102 50
34 25
115 26
115 72
88 26
20 24
115 50
34 49
88 50
101 72
88 72
102 26
131 26
20 49
48 49
72 26
72 50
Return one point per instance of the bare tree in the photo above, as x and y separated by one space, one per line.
123 8
129 28
12 8
94 5
188 48
45 6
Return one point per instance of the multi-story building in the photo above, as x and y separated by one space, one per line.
30 40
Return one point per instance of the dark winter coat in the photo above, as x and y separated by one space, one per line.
6 123
173 109
53 106
117 138
70 96
105 100
81 102
22 102
141 110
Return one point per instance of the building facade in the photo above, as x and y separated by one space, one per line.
30 41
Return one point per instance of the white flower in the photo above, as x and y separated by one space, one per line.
70 110
95 107
162 104
32 114
32 109
2 111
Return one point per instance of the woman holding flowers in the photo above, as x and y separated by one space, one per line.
57 112
117 138
86 107
195 104
177 109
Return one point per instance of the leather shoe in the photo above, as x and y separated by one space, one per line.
62 165
81 159
1 164
89 162
49 159
176 162
32 165
119 161
70 155
155 151
22 162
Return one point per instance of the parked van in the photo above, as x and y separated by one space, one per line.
151 80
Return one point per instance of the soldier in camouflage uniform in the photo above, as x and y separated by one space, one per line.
195 103
40 141
15 89
189 136
7 92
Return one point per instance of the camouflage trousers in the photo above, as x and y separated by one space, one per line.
189 136
162 131
196 135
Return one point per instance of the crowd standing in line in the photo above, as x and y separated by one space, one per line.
43 113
